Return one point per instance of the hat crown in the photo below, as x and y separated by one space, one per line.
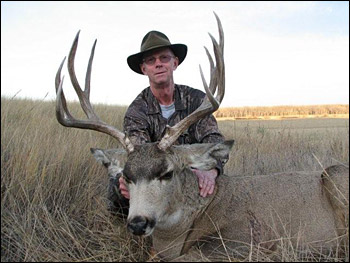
154 39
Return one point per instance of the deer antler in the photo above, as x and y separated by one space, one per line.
93 123
209 104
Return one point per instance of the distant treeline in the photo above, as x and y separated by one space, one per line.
265 111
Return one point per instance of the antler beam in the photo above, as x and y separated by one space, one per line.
94 122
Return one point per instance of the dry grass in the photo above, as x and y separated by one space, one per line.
53 193
269 146
266 112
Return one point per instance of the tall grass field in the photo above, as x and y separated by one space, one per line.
53 192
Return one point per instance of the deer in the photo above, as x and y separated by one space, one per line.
243 212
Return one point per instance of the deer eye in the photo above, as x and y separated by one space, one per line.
166 176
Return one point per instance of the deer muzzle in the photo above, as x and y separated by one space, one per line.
141 225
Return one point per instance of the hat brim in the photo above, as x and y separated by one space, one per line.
134 61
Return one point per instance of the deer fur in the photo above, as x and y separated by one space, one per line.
244 211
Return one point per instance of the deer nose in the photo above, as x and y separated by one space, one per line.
139 224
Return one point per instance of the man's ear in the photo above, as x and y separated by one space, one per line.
204 156
142 67
176 63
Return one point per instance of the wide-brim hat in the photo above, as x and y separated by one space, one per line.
151 41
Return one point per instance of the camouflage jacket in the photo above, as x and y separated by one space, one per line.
144 122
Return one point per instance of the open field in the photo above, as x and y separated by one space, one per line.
53 193
271 117
268 146
281 112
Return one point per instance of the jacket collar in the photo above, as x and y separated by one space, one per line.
153 104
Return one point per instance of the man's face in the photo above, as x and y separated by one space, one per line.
159 66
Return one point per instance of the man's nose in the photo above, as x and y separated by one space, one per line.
158 63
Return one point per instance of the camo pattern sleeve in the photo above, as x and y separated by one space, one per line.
144 122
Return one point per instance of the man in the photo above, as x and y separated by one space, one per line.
166 103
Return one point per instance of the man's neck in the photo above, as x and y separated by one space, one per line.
164 94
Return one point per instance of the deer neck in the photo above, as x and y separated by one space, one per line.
188 205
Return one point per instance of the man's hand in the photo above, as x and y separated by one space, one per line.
206 181
123 189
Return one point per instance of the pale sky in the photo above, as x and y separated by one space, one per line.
276 53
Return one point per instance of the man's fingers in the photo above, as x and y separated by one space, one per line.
203 192
123 189
200 180
207 188
206 181
126 194
199 176
121 180
211 190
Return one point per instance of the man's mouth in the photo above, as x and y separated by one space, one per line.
159 73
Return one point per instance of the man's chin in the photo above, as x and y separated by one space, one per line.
161 82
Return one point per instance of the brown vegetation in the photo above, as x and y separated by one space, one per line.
53 193
284 111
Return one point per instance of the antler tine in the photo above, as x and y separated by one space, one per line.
84 96
61 98
93 123
210 103
88 72
220 67
221 84
221 33
213 79
212 72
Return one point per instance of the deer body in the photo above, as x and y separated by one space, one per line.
258 210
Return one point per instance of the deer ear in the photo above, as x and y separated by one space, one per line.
101 156
204 156
111 158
